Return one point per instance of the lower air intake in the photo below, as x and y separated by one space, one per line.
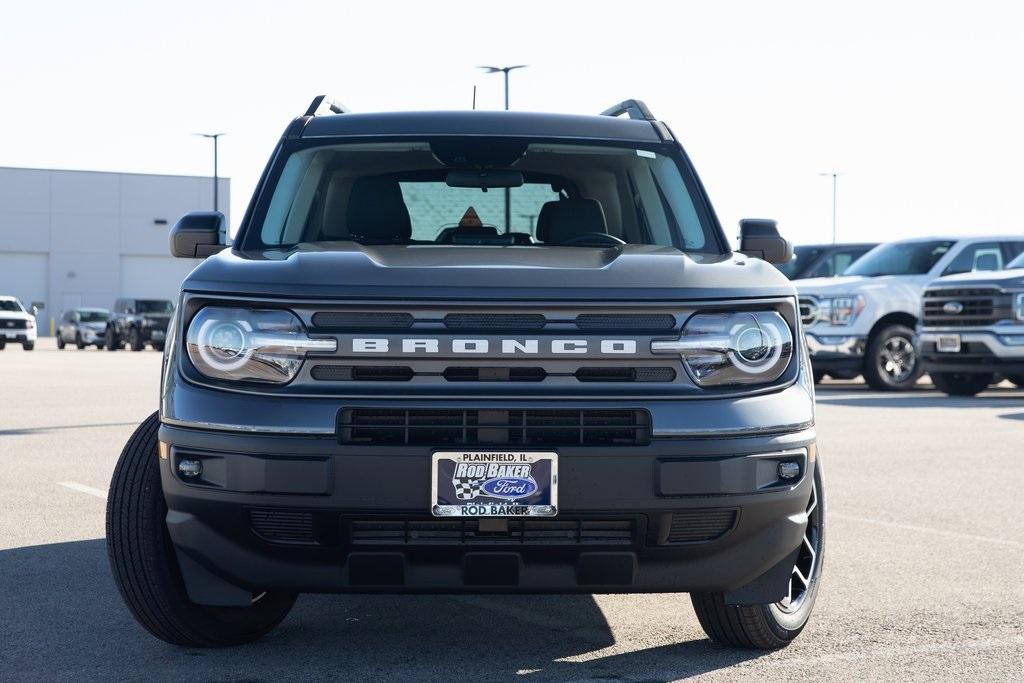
696 526
283 526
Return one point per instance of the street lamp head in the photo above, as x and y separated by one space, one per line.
209 135
502 69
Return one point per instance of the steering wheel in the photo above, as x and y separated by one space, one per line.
609 240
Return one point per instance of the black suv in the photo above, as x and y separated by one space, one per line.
823 260
137 322
475 352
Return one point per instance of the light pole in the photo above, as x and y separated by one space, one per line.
835 180
504 70
214 137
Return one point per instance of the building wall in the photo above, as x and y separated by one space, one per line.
84 238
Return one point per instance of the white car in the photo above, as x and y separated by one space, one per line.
16 324
863 322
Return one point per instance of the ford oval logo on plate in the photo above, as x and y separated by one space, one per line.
953 307
511 488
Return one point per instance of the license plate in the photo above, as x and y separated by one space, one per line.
494 484
948 343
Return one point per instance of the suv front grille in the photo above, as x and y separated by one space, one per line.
467 427
979 306
564 532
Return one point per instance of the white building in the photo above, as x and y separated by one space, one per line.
85 238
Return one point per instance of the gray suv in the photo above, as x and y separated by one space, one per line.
475 352
82 327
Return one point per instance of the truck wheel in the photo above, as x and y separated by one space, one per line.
961 383
28 346
60 341
3 343
135 342
769 627
891 362
110 340
78 341
818 376
158 346
145 568
1017 380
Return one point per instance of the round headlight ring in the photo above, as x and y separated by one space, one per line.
224 344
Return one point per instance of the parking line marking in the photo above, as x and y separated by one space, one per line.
82 488
929 530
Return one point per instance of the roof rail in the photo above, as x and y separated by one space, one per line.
635 108
323 104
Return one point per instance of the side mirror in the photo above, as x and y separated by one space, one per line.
198 234
37 306
760 238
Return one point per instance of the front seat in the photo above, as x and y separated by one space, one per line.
377 212
562 220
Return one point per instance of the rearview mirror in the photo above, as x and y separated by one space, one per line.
759 238
484 179
198 234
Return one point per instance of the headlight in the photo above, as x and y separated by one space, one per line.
30 324
721 349
250 345
841 310
1018 306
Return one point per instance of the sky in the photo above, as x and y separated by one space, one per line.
919 106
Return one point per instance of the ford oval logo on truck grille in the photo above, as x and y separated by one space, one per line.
512 488
953 307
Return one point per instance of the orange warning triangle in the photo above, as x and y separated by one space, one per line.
470 219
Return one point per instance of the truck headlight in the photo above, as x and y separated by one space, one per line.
722 349
247 345
841 310
30 324
1018 306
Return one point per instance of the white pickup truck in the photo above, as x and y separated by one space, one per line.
863 322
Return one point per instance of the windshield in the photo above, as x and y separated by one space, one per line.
429 193
11 305
144 306
900 258
93 316
802 256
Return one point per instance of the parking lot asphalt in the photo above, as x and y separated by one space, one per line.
923 579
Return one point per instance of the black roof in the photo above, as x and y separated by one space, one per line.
485 123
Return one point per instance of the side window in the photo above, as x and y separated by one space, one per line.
983 256
843 259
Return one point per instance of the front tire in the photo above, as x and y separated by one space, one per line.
135 342
28 346
1017 380
110 341
891 362
79 344
961 383
145 568
770 627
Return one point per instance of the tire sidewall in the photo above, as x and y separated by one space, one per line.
875 376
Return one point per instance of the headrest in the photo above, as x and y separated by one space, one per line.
377 212
562 220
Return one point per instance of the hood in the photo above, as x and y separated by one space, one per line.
517 273
825 286
97 327
1010 279
828 285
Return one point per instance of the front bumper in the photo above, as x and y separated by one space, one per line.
998 350
305 513
836 352
18 336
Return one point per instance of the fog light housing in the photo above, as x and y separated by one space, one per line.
190 468
789 470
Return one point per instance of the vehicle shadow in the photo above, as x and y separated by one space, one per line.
20 431
62 618
860 396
